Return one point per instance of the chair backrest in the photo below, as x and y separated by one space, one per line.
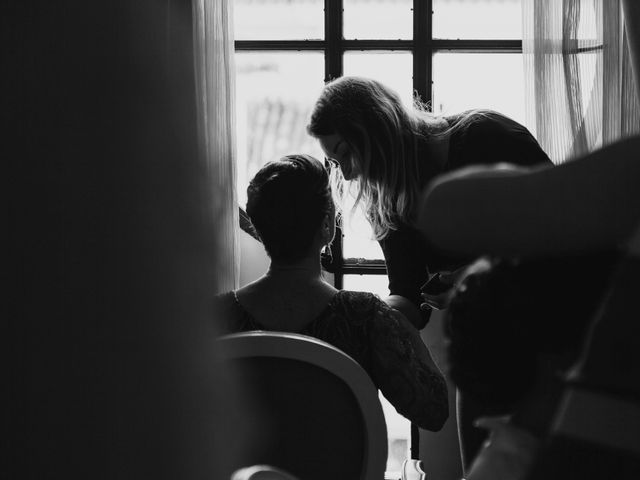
317 412
261 472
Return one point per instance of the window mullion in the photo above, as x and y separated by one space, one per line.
333 65
333 37
422 49
478 46
423 88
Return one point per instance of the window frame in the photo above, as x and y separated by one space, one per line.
422 46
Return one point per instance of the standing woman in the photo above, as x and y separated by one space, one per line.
391 153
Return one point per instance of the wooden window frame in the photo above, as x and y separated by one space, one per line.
422 46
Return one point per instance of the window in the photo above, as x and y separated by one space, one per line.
452 54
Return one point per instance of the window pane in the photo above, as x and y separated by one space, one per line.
588 24
398 427
279 19
275 93
378 19
477 19
378 284
394 69
357 240
587 75
479 80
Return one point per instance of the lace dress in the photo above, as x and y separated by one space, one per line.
383 342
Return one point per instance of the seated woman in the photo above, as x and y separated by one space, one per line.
514 327
291 207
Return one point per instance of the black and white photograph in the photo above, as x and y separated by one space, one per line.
321 239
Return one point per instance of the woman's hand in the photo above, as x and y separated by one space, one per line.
440 289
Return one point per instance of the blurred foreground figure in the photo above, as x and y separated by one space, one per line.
583 207
513 331
112 256
596 428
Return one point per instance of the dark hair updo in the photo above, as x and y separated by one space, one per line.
287 202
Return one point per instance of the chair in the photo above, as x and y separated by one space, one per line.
317 412
261 472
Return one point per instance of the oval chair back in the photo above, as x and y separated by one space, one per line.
315 411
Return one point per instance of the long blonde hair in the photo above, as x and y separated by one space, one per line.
384 137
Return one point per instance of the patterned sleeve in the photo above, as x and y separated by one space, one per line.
402 368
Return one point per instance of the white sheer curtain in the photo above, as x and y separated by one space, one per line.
578 80
215 74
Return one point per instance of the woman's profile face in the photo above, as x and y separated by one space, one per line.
336 148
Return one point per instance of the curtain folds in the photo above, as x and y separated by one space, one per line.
579 86
215 76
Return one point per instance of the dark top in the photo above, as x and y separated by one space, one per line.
389 350
482 138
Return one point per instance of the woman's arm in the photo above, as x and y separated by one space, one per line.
406 307
583 205
406 256
402 368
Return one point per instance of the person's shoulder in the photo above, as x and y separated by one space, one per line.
481 122
474 129
369 306
361 306
357 301
496 137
